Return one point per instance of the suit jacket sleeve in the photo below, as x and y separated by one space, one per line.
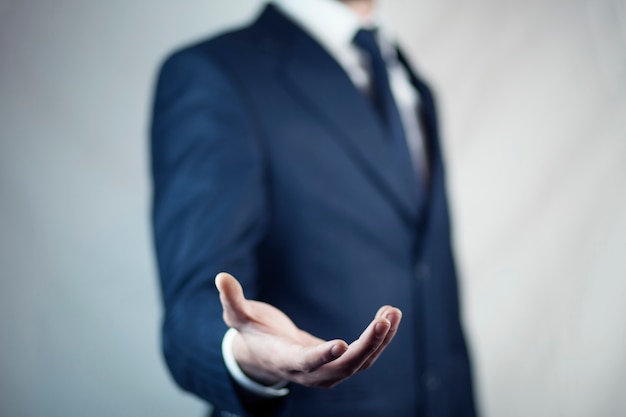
209 214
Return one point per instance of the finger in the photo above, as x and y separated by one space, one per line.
382 311
360 350
233 300
394 315
315 357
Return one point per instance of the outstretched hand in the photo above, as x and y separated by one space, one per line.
270 348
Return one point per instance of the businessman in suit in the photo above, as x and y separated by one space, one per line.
301 155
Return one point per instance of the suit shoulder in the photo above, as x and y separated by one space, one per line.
246 46
208 49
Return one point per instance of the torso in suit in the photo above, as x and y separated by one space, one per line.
268 163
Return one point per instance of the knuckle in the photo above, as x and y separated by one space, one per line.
289 369
304 365
307 367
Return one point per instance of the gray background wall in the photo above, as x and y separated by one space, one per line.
533 98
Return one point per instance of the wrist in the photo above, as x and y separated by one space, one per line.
254 370
243 380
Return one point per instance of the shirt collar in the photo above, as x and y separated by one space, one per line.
330 22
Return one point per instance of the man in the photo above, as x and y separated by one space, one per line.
301 155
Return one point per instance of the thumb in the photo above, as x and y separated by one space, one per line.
233 300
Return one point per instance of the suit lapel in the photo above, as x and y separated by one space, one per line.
322 85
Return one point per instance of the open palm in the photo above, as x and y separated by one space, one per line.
269 347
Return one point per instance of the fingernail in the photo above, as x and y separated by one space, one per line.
336 351
380 329
391 316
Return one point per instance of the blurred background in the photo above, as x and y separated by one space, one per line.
533 102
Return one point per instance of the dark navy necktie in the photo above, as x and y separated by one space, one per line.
385 104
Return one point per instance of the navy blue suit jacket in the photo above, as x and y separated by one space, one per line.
269 164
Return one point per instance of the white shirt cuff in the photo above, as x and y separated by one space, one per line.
277 390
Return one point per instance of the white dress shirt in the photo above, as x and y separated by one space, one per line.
333 25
